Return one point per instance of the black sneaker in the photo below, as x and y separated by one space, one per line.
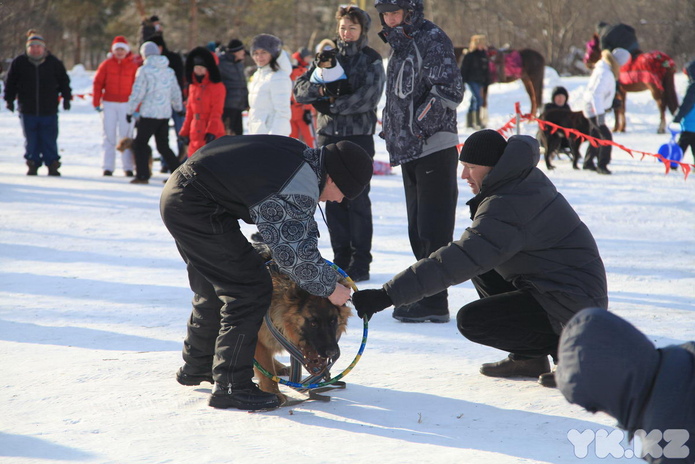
190 380
249 398
129 174
33 168
108 173
603 170
589 167
509 367
417 312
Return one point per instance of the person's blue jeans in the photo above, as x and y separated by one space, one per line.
476 96
41 138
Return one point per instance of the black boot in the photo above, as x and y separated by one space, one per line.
53 168
418 312
509 367
190 380
33 168
248 397
469 120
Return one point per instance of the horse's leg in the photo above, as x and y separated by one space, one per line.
531 93
660 100
620 120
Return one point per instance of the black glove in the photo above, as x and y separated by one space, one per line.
307 116
209 137
66 104
181 113
10 106
184 139
129 118
337 88
368 302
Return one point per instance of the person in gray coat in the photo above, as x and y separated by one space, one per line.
607 365
237 97
531 258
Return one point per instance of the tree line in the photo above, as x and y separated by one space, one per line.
80 31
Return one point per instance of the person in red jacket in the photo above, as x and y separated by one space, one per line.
205 104
113 83
302 118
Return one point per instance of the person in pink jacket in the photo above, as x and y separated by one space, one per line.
205 104
113 83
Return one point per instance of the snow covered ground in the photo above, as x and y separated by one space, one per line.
94 301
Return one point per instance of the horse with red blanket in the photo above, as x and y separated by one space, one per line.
653 71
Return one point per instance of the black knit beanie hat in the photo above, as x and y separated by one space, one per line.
483 148
349 166
235 45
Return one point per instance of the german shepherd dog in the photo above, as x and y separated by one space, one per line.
312 323
552 143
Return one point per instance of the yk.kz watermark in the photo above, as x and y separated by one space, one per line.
655 443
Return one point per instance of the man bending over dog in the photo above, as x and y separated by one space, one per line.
532 260
274 182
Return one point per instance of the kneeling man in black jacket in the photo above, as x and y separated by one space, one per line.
532 260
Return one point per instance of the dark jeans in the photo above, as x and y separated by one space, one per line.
476 96
687 139
350 221
431 192
231 285
233 121
603 152
507 319
146 128
40 138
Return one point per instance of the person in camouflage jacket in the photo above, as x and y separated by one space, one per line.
423 90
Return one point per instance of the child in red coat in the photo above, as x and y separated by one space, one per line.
205 104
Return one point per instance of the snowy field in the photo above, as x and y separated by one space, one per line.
94 302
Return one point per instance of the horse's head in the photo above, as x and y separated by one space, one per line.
593 51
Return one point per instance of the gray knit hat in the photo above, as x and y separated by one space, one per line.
149 49
483 148
349 166
267 42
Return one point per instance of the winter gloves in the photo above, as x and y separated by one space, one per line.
306 117
129 118
66 104
209 137
369 302
184 139
10 106
337 88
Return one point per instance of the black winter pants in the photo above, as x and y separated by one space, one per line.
507 319
231 285
602 153
431 192
687 139
350 221
146 128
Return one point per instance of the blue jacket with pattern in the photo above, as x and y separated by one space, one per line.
423 87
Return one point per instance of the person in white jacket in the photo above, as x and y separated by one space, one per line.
270 88
155 92
598 98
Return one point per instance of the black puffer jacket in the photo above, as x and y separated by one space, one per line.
37 87
525 230
355 113
423 87
476 67
606 364
234 81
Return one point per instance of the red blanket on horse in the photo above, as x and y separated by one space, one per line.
505 65
647 67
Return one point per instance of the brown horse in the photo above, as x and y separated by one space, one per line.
645 71
529 67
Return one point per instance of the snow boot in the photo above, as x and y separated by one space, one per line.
479 123
33 168
469 120
417 312
248 397
53 168
190 380
510 367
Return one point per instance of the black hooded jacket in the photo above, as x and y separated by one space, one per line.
37 87
606 364
524 229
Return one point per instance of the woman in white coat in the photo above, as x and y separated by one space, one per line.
270 88
598 98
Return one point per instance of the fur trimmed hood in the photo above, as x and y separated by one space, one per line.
202 55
